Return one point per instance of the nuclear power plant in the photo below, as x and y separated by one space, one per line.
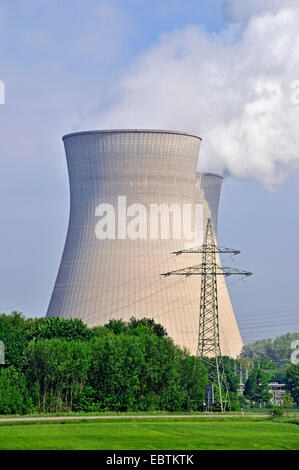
125 186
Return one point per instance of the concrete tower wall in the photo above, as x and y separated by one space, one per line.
120 278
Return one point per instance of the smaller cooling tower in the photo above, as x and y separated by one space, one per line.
208 189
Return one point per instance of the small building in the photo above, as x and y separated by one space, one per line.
278 391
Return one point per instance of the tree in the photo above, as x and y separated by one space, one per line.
55 327
193 378
14 395
56 370
287 401
256 387
14 340
153 327
148 324
292 381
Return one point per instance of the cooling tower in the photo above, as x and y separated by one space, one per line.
112 262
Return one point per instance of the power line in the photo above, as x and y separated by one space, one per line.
26 303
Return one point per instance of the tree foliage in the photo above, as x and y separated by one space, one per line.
13 336
292 381
64 365
57 364
277 351
14 395
256 387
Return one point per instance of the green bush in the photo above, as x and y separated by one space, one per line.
276 412
14 395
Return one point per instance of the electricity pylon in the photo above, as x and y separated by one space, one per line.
208 345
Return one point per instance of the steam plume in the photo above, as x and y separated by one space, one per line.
237 89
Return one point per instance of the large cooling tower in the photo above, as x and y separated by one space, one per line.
119 276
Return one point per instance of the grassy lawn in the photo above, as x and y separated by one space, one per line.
148 434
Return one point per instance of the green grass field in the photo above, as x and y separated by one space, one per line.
164 434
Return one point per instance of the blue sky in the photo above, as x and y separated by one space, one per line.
70 64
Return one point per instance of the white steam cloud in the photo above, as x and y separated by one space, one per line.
240 11
237 89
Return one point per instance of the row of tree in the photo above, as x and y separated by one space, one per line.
61 365
270 361
55 365
268 351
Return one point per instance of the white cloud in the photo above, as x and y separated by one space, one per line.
242 10
234 89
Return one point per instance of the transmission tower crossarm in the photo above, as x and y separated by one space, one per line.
210 248
227 271
203 269
199 269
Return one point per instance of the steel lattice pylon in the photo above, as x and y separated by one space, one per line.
208 345
208 336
